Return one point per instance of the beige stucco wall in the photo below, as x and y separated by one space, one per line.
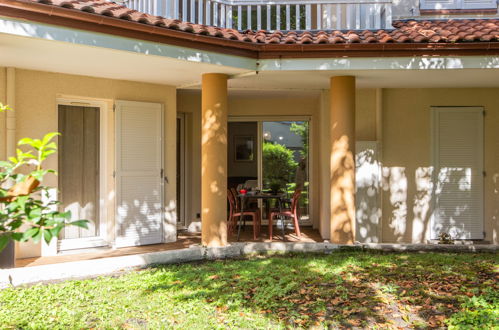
36 111
407 159
3 96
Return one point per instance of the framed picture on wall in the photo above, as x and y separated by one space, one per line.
244 147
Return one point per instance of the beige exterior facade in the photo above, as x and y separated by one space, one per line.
403 129
407 150
398 119
36 96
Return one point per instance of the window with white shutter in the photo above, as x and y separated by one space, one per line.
479 4
458 172
438 4
457 4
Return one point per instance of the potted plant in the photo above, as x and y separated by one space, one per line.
26 210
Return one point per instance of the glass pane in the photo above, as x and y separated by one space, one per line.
285 161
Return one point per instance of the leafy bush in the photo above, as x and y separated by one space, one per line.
479 312
26 209
279 165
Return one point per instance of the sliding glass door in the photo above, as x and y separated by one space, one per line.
285 159
271 155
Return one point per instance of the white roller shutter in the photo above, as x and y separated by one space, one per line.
458 172
438 4
139 173
479 4
457 4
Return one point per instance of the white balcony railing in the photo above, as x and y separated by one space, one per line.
274 15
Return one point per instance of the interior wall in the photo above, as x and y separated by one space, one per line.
407 159
245 168
36 111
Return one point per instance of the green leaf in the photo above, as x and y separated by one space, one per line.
48 137
35 214
4 107
5 164
36 238
66 215
30 233
51 145
23 141
47 235
17 236
56 230
4 240
47 153
80 223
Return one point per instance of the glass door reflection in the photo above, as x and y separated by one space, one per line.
285 162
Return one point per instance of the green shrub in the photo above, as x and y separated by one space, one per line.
26 210
479 312
279 166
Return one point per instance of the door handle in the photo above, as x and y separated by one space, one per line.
162 175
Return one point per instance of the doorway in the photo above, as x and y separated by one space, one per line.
271 154
80 168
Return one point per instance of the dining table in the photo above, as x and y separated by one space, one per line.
279 197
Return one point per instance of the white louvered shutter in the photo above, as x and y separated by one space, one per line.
139 181
439 4
479 4
458 166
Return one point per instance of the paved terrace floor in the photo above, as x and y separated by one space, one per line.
184 240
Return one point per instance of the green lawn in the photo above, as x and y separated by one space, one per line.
342 289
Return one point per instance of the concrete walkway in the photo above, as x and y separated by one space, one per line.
104 266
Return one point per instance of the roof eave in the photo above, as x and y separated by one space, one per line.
76 19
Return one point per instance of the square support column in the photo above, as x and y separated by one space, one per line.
342 159
214 160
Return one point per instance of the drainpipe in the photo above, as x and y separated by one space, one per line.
379 140
10 121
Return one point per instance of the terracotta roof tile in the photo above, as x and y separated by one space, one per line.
409 31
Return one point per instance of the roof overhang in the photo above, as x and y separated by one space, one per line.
90 49
80 20
37 46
